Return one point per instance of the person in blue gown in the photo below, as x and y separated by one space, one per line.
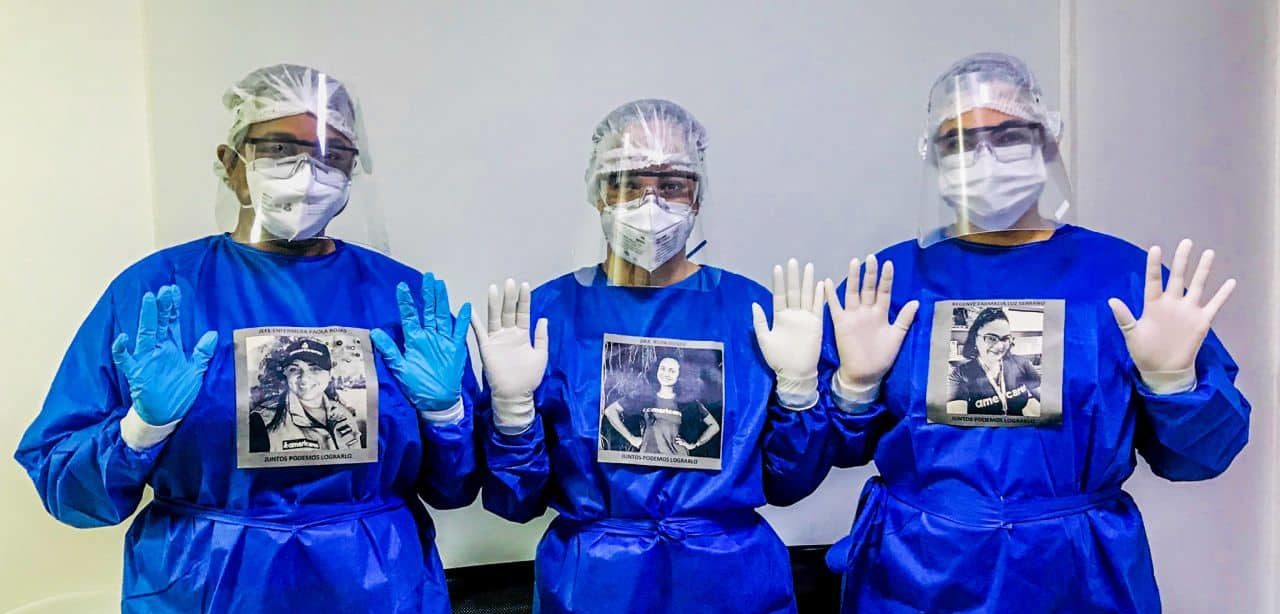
324 511
1013 502
650 528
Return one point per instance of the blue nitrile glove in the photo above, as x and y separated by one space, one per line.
430 369
163 380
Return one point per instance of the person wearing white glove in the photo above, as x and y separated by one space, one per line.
792 346
867 342
1046 358
1165 341
513 365
641 409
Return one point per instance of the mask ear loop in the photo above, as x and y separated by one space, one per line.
697 199
244 161
256 231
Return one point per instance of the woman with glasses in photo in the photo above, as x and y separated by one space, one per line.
993 380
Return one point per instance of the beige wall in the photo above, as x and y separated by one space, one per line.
76 200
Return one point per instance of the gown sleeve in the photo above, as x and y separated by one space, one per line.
83 471
519 469
792 471
451 473
518 476
1194 435
795 434
856 424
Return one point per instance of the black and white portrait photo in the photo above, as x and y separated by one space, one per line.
305 396
661 402
996 363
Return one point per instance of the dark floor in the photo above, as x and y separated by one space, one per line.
507 588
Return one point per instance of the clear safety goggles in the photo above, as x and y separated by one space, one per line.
1009 142
284 168
632 187
332 155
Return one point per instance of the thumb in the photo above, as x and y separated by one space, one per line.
758 321
478 327
540 335
460 325
906 316
203 351
819 298
833 301
1124 317
387 347
120 352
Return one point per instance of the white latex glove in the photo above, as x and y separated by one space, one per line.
1164 343
513 367
793 346
867 343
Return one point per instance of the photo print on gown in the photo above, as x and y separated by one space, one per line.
305 396
661 402
996 363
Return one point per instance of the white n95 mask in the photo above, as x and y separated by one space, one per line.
647 232
995 194
295 198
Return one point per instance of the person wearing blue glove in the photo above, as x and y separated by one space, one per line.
163 381
290 463
435 357
1046 358
651 346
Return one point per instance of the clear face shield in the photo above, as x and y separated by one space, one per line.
288 177
647 184
991 161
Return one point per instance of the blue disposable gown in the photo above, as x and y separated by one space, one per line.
333 538
1028 518
646 539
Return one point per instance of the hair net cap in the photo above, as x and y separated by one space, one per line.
647 134
989 80
282 90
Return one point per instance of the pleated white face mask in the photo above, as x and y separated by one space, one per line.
647 232
294 199
995 194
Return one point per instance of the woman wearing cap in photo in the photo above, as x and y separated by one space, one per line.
308 415
134 405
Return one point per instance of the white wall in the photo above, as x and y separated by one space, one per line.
74 172
1175 137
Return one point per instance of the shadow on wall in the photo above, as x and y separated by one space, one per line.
73 603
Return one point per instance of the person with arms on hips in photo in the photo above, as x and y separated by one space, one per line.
308 416
647 534
992 379
134 405
664 417
1033 501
